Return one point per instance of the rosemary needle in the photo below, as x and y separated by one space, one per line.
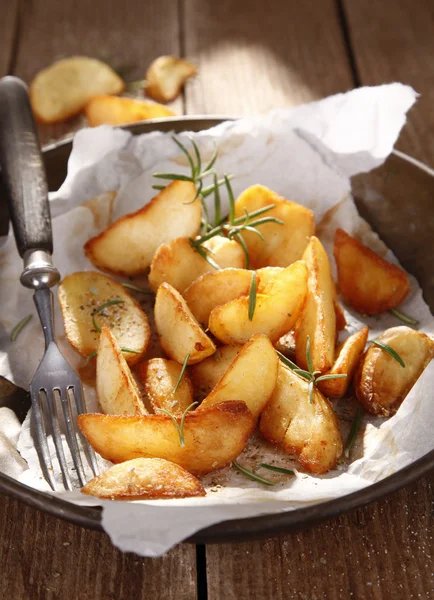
181 374
19 327
102 307
252 296
251 475
277 469
403 317
389 350
134 288
355 426
179 426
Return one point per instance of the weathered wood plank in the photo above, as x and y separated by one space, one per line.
8 29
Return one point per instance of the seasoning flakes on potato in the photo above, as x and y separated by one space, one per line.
110 110
164 386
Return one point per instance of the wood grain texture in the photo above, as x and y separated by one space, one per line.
254 56
8 30
43 558
393 40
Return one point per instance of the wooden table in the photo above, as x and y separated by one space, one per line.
252 56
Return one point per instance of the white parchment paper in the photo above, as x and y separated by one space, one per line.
306 154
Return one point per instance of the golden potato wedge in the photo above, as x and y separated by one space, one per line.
144 478
62 90
266 275
381 383
180 334
159 377
348 355
207 373
116 388
81 294
213 437
276 310
179 264
366 281
226 252
251 377
109 110
128 246
341 321
165 77
309 430
318 318
214 289
282 244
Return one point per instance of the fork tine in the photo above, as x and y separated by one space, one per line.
71 436
57 439
77 391
43 450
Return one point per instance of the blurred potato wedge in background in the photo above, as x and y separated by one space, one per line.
207 373
144 478
110 110
166 76
213 437
282 244
381 383
251 377
309 430
366 281
116 388
179 332
82 295
128 246
159 377
348 355
276 310
63 89
318 318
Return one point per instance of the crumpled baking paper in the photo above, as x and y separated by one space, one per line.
306 154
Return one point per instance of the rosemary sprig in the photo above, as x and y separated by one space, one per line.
403 317
134 288
122 349
389 350
101 308
277 469
252 296
19 327
205 253
355 426
179 426
181 374
251 475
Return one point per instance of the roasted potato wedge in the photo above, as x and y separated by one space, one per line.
180 334
144 478
159 377
368 282
266 275
226 252
276 309
179 264
282 244
251 377
318 318
62 90
128 246
341 321
381 383
309 430
165 77
109 110
81 294
213 437
206 374
348 355
116 388
215 289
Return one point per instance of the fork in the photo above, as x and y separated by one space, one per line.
55 384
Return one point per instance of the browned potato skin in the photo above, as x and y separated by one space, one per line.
341 321
213 437
207 373
368 282
144 478
380 382
111 110
348 357
159 377
165 77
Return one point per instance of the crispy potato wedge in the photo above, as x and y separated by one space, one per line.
348 355
159 377
251 377
213 437
266 275
381 383
207 373
341 321
286 345
310 431
109 110
180 334
179 264
62 90
318 318
282 244
276 311
226 252
368 282
116 388
143 478
166 76
81 294
128 246
215 289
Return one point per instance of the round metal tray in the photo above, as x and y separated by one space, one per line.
397 201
